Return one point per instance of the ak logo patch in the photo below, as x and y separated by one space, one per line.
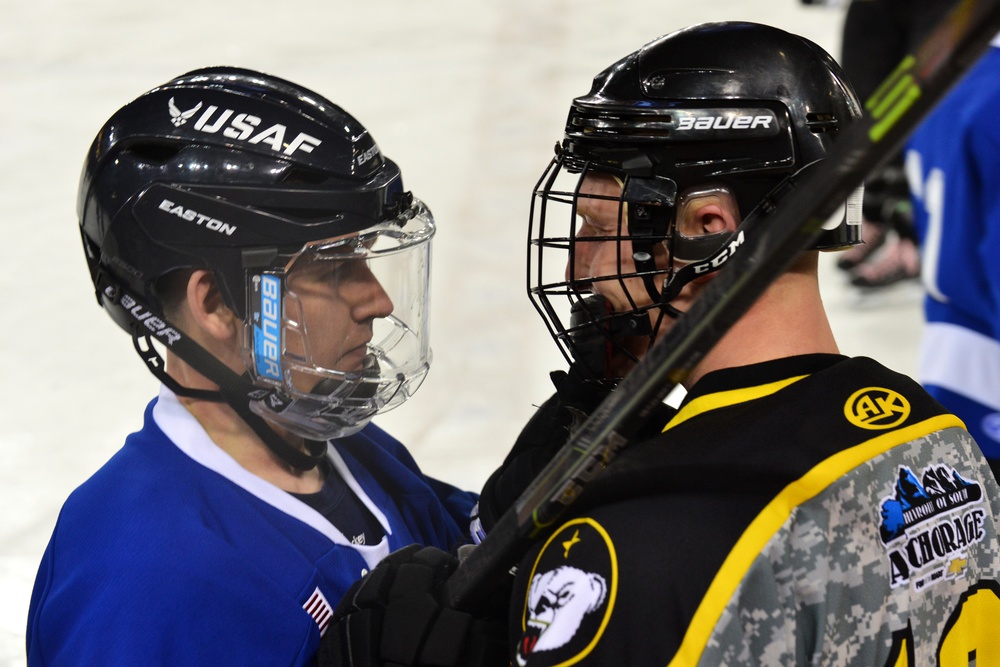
571 594
876 408
928 523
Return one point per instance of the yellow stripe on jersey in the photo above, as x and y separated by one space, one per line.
724 399
774 516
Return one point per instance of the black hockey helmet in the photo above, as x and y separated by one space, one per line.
728 108
250 176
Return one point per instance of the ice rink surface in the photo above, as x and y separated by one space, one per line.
468 97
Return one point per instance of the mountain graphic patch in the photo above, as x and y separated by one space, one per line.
928 523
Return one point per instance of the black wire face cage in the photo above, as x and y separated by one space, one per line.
637 233
609 252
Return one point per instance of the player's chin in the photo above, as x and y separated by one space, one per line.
701 280
626 353
354 361
618 301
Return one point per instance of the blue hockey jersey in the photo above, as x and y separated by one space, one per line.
173 554
953 166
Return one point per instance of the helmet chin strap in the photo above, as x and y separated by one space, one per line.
689 272
235 390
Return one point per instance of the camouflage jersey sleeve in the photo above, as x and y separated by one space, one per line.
794 522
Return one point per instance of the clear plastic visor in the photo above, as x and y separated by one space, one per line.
344 322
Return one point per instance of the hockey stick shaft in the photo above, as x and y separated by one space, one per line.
893 112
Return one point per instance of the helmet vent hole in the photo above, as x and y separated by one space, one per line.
821 123
645 126
155 153
300 176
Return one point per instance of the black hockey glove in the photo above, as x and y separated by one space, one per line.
578 393
544 434
887 198
394 616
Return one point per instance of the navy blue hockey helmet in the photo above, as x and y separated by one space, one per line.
255 178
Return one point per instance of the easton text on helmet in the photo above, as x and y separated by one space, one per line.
191 215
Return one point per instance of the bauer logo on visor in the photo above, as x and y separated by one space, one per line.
267 325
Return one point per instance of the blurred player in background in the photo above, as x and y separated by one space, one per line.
253 230
953 162
877 35
801 507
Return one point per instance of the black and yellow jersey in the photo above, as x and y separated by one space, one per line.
815 510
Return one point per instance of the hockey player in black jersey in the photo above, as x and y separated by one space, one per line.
801 507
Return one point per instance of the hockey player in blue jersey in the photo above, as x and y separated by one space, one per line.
273 274
953 165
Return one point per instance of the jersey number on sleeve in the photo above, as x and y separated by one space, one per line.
969 637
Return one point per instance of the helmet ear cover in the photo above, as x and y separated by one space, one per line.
698 215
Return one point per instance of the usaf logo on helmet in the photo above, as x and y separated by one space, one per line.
241 127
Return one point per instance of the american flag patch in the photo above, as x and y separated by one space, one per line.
320 610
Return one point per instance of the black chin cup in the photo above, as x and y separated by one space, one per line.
595 332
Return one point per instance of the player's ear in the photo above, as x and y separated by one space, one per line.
207 308
707 211
719 215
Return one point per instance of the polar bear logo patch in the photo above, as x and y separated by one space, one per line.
569 595
557 602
